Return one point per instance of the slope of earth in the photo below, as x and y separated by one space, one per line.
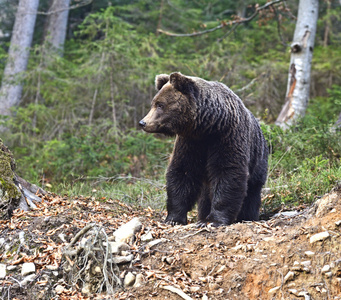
294 255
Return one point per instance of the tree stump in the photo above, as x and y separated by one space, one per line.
15 192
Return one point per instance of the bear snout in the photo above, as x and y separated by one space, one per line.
142 124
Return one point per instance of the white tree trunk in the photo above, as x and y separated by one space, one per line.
18 55
297 94
57 23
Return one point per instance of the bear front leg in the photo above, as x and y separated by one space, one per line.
185 176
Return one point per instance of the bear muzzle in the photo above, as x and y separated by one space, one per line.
142 124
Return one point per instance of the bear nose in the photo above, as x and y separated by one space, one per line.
142 123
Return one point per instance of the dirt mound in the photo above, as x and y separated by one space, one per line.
293 255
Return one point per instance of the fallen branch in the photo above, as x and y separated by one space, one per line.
223 23
176 291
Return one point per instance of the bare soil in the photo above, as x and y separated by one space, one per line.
273 259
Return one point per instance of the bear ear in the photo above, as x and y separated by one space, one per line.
160 81
183 83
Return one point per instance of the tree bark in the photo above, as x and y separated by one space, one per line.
18 55
297 94
57 24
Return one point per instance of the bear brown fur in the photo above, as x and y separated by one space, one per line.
220 155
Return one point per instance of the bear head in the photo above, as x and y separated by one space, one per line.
173 109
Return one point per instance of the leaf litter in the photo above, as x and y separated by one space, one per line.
71 242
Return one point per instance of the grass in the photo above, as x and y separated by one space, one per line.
134 191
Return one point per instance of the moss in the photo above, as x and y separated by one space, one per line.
8 190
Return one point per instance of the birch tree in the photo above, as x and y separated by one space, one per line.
57 23
297 94
18 55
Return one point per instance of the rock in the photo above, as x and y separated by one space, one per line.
325 269
117 247
59 289
274 290
328 274
147 237
204 297
305 295
28 268
28 279
309 253
306 263
122 259
325 204
290 276
129 279
2 271
212 286
86 289
126 232
138 280
194 289
319 237
337 223
293 291
167 259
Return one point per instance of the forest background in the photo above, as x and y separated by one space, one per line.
75 130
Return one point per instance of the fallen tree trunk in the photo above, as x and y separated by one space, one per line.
15 192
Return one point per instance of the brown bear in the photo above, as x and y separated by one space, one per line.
220 156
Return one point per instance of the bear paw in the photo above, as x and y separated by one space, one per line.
175 220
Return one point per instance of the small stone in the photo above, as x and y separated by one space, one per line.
319 237
122 259
290 276
305 295
52 267
337 223
2 271
213 286
59 289
129 279
306 263
194 289
147 237
117 247
328 274
293 291
11 268
204 297
28 268
325 269
2 241
28 279
138 280
309 253
274 290
125 253
167 259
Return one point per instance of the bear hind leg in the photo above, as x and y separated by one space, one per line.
251 203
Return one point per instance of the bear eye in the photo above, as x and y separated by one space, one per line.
159 106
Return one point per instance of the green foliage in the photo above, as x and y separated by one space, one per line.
95 153
75 127
304 161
